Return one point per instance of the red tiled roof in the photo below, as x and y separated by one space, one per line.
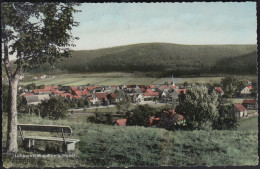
149 91
58 92
152 86
76 97
90 98
36 91
152 120
219 90
121 122
250 87
181 90
101 96
49 88
74 87
27 94
78 92
252 101
65 95
151 94
240 107
88 88
179 117
85 92
113 95
173 86
115 85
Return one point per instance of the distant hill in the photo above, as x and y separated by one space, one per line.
163 57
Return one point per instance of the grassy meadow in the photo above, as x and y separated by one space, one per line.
104 145
117 78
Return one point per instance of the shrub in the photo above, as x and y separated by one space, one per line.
140 115
55 108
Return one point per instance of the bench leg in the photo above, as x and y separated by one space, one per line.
28 143
69 147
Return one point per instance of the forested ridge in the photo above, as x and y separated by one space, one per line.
165 58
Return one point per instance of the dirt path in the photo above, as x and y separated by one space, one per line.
251 115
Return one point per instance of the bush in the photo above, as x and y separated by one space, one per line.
55 108
53 148
140 115
80 103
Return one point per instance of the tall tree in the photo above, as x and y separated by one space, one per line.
34 33
199 107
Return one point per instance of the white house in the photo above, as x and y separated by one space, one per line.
246 90
240 110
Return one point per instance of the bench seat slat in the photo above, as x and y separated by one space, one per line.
45 128
50 139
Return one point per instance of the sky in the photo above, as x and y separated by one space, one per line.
105 25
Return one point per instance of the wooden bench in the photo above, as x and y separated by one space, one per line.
28 141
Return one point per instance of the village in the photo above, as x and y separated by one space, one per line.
95 97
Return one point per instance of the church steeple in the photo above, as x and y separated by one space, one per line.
173 84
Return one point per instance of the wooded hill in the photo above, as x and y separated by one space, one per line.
165 58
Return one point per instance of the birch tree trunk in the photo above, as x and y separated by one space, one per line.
11 143
12 117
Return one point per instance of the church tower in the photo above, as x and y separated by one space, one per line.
173 84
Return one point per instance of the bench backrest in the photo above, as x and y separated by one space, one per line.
44 128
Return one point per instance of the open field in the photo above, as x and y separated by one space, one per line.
246 124
104 145
116 78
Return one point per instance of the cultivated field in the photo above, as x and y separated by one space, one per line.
116 78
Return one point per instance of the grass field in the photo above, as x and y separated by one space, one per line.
116 78
250 123
104 145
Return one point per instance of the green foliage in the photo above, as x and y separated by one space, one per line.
124 102
104 145
231 86
31 86
140 115
55 108
40 87
254 89
34 43
199 107
101 118
80 102
136 147
53 148
226 119
167 59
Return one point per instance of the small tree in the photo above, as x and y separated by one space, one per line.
185 84
199 107
55 108
231 85
31 86
140 115
226 119
124 101
254 89
40 87
80 103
